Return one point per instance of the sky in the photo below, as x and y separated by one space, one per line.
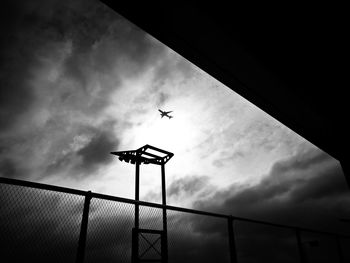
79 81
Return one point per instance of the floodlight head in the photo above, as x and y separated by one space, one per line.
146 154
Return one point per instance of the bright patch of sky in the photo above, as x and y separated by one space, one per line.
214 132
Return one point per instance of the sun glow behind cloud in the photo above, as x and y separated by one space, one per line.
214 131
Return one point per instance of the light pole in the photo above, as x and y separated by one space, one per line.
147 155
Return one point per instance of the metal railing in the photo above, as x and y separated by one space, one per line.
44 223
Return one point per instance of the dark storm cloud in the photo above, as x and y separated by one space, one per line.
8 168
259 136
97 151
307 190
90 155
60 63
15 61
301 161
103 41
328 185
183 188
187 186
99 36
15 98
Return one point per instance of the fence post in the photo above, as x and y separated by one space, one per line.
83 229
165 224
231 240
300 246
339 248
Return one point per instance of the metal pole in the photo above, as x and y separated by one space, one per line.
231 240
300 246
137 193
339 248
83 229
135 235
165 227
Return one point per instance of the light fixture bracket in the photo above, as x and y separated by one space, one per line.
143 155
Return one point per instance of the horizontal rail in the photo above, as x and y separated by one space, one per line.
304 229
11 181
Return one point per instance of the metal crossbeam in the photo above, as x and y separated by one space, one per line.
142 156
151 245
140 257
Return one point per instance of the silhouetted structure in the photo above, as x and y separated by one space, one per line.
57 228
138 157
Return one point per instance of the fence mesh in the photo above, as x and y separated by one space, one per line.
38 225
345 251
151 218
197 238
109 231
264 243
319 248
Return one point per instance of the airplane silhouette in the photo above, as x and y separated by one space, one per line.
165 113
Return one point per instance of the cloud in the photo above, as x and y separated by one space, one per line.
7 167
307 189
97 151
187 186
84 152
162 98
61 63
15 96
184 190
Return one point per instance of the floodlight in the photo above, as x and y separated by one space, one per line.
147 155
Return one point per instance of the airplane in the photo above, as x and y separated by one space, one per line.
165 113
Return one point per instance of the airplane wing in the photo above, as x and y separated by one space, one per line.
160 111
168 112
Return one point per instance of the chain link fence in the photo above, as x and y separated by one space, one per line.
43 223
38 224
